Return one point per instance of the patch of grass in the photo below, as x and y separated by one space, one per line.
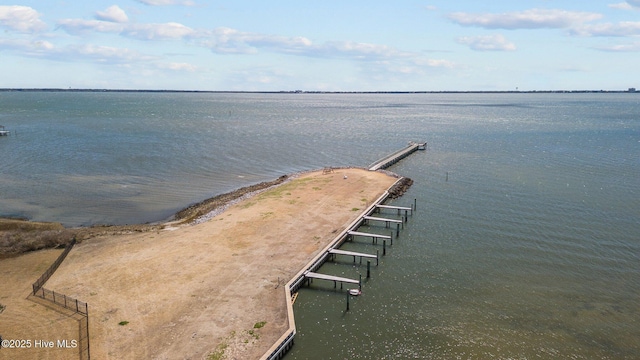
280 191
218 353
259 325
355 209
316 188
248 204
253 334
123 323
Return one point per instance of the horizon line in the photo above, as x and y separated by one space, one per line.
629 90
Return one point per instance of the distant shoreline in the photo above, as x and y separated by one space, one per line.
628 91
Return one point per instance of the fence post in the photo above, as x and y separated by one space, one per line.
86 308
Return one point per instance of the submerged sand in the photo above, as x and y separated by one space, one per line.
191 291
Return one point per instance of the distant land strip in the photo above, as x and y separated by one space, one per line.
630 90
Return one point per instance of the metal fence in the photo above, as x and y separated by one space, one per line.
63 300
66 302
47 274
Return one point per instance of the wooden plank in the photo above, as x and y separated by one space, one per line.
394 207
381 219
357 233
352 253
313 275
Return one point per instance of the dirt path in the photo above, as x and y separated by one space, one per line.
196 290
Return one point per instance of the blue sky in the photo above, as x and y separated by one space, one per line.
354 45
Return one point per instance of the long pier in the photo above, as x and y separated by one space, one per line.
389 160
285 342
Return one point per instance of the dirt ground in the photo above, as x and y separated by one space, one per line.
208 291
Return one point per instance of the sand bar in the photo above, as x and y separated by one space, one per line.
197 290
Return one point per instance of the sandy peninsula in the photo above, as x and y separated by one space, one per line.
211 289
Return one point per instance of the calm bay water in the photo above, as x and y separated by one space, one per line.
529 248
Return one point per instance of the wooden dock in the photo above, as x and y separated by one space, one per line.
382 219
387 221
399 208
335 279
308 273
389 160
352 253
358 233
335 252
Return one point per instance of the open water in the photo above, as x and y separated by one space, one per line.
525 244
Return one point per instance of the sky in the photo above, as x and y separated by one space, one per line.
328 45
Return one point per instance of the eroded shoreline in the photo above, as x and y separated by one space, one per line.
19 236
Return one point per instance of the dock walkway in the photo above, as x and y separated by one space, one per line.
399 208
352 253
335 279
396 156
285 342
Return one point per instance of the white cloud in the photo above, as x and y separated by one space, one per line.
227 40
26 46
43 45
179 67
438 63
21 18
157 31
633 47
114 14
231 41
167 2
621 6
362 51
107 54
102 54
528 19
621 29
487 43
138 31
76 26
627 5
